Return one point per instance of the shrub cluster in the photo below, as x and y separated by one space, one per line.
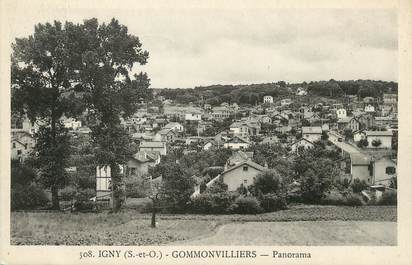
28 197
213 203
358 185
389 197
246 205
337 198
271 202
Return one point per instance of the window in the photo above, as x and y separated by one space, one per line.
245 181
245 168
390 170
19 152
14 145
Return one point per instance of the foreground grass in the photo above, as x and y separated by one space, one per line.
133 228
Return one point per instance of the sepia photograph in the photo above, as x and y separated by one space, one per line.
121 124
203 127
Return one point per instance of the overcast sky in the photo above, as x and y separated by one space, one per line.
202 47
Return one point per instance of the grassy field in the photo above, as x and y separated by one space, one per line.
303 233
133 228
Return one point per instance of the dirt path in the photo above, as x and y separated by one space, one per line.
301 233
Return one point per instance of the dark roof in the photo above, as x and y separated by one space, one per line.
302 139
248 163
360 159
146 156
239 138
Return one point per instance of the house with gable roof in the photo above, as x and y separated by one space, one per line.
301 144
138 165
243 173
236 143
153 146
312 134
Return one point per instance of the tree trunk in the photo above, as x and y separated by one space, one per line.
55 198
116 188
153 224
54 187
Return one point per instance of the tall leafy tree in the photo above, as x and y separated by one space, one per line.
42 80
109 54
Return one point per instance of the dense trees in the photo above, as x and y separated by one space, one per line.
42 78
250 94
217 94
109 92
316 171
26 193
64 70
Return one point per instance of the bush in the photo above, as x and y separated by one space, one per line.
85 195
337 198
212 203
68 193
217 187
267 182
353 200
84 206
358 186
83 202
147 207
271 202
28 197
363 143
137 189
376 143
389 197
246 205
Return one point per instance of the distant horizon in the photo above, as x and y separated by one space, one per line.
274 82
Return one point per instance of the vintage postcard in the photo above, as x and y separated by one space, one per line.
233 132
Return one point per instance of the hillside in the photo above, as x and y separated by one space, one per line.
253 93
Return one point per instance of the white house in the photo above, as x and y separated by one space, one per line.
72 124
361 167
286 101
175 126
243 173
358 135
193 117
236 143
301 144
384 169
239 129
268 99
301 91
312 134
22 145
382 137
341 113
369 108
153 146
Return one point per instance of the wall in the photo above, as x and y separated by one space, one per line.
379 169
236 145
362 173
312 137
235 177
386 141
